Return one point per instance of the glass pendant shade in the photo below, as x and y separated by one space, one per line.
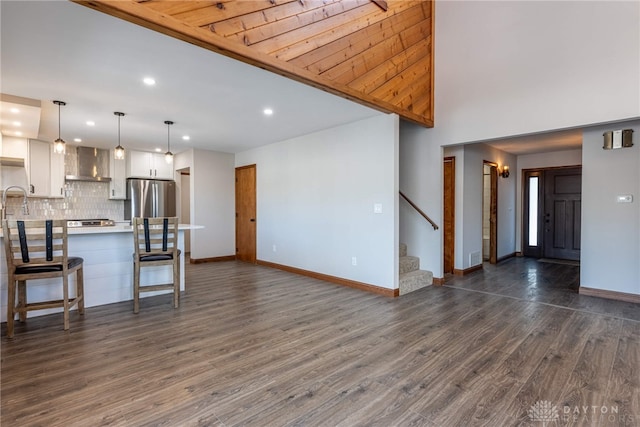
59 144
118 152
168 156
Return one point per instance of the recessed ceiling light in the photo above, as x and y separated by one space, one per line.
186 137
17 124
267 111
77 140
18 133
158 150
149 81
14 110
91 123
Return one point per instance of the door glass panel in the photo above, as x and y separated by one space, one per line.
533 211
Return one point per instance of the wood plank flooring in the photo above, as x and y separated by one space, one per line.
255 346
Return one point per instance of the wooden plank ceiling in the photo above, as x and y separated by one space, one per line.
378 53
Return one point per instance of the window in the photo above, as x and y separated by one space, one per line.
533 211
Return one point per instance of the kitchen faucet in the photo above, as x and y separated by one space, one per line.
25 206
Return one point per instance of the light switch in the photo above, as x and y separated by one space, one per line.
625 198
377 208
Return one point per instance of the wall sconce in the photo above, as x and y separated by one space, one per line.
617 139
505 171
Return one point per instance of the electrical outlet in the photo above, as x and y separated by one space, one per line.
354 260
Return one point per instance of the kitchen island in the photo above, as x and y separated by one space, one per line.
108 269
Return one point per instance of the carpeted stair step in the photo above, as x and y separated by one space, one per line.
415 280
409 263
403 249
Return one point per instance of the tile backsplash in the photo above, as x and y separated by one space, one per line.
83 200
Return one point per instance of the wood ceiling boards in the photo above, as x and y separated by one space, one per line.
352 48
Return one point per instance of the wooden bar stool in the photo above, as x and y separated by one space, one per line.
156 243
38 250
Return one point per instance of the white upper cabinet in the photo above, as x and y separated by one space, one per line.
141 164
46 170
162 169
118 174
56 173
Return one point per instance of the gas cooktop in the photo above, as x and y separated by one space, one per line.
100 222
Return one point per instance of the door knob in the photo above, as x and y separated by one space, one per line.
252 220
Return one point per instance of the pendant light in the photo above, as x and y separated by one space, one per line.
59 144
118 152
168 156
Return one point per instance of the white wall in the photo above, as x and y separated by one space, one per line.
610 230
420 184
507 68
315 200
212 180
539 161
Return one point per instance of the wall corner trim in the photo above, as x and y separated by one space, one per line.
438 281
457 272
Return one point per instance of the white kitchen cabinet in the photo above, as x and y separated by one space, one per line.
162 169
56 173
118 174
46 170
142 164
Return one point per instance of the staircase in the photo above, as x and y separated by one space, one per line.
411 277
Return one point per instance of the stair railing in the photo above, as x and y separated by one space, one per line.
424 215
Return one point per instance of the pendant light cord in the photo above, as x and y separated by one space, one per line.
59 121
168 137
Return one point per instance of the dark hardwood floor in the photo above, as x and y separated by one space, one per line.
254 346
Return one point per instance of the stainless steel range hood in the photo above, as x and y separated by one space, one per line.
87 164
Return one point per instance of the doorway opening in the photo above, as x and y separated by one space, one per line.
490 212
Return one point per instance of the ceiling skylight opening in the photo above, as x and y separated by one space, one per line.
267 111
149 81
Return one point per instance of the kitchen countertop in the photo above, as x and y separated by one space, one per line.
117 229
121 229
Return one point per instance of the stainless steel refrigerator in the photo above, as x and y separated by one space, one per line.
150 198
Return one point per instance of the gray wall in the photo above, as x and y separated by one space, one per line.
315 200
610 256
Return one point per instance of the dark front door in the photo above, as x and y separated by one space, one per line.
562 209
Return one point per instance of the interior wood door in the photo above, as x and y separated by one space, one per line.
562 213
449 215
246 213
